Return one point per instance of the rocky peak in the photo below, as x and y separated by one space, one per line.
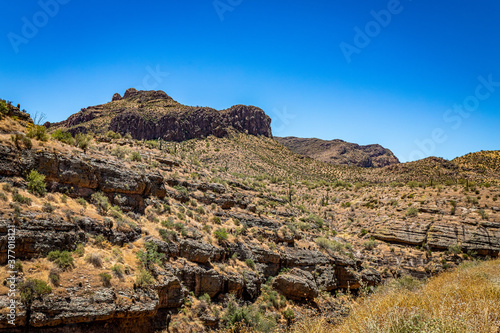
144 96
154 114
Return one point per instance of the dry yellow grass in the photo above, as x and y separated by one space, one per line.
465 300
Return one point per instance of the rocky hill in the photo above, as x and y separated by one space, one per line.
152 115
341 152
125 235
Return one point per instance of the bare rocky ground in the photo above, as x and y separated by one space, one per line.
198 235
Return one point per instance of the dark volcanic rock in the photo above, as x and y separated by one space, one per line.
340 152
81 175
153 114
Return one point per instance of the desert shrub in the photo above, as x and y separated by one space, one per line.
152 144
47 207
483 214
250 263
216 220
119 152
38 132
18 266
117 270
455 249
411 212
370 244
221 235
36 183
94 259
3 197
237 316
64 260
327 244
101 202
32 289
135 156
113 135
168 235
143 278
4 110
82 202
99 240
7 187
83 141
316 220
105 279
64 137
20 139
54 277
150 255
80 250
17 197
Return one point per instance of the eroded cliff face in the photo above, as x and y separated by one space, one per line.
153 114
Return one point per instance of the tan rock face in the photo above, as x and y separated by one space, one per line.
483 238
297 285
404 232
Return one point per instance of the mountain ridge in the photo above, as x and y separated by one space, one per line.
152 115
340 152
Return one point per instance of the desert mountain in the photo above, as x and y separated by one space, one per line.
341 152
124 235
153 114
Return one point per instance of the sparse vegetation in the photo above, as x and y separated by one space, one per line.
36 183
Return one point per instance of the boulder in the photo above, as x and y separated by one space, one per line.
297 285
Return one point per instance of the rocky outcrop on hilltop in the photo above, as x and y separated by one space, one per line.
153 114
340 152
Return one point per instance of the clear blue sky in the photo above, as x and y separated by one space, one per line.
283 56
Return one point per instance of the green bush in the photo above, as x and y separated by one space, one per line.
99 240
64 137
36 183
411 212
117 270
3 108
106 279
54 277
38 132
83 141
250 263
150 255
19 139
331 245
370 245
113 135
135 157
143 278
47 207
16 197
64 260
221 235
80 250
248 316
82 202
101 202
32 289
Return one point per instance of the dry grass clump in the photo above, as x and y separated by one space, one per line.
465 300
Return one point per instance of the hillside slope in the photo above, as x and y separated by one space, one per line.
340 152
